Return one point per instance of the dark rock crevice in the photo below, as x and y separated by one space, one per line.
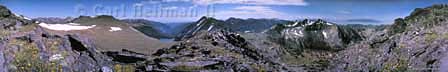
76 45
125 56
80 47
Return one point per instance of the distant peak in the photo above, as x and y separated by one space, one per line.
204 17
105 17
234 19
320 20
84 17
307 22
207 18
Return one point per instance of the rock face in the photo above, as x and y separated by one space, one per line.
313 34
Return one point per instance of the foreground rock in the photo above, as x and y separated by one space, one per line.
25 46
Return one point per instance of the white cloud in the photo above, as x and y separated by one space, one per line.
171 8
252 2
176 0
344 12
162 1
251 12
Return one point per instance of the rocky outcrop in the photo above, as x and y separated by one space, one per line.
415 43
313 34
36 50
212 51
27 47
125 56
4 12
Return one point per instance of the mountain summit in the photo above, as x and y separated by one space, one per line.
203 24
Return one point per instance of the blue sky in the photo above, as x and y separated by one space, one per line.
338 11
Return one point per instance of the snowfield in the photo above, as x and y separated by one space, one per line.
112 29
65 27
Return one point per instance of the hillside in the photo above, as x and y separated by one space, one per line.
150 28
252 25
125 38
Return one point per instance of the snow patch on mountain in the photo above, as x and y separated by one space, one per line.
112 29
325 34
65 27
200 22
210 28
295 23
329 23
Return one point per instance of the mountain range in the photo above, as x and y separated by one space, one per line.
103 43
